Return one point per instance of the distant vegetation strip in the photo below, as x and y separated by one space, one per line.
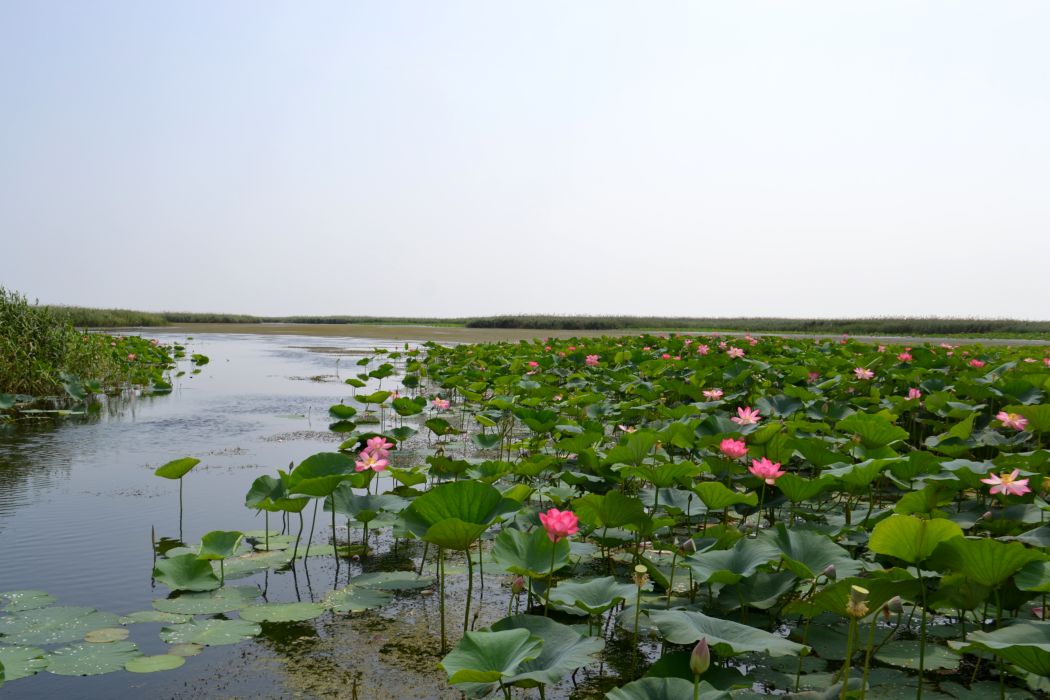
911 326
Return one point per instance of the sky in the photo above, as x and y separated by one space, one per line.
457 158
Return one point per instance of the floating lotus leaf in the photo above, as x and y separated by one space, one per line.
153 616
731 565
152 664
220 544
904 653
53 625
186 573
724 636
91 659
354 599
185 649
224 600
210 632
392 580
282 612
107 635
664 689
488 657
176 469
874 430
21 662
593 596
17 601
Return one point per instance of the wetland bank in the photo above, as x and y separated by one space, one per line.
658 445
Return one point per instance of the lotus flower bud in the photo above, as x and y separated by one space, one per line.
830 573
641 575
518 585
857 606
689 545
700 659
894 605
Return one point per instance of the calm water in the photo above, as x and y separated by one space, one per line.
78 499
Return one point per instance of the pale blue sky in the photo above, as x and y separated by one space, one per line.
456 158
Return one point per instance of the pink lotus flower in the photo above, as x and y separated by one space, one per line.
1046 361
378 446
559 524
713 394
882 348
735 352
703 350
665 356
591 360
1012 420
571 348
734 449
1007 484
547 348
976 363
766 470
627 428
533 363
947 346
440 404
913 394
647 348
812 377
904 357
131 357
722 345
746 416
371 461
863 373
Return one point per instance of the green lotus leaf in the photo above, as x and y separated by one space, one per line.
342 411
454 515
392 580
53 625
529 553
21 662
185 649
986 561
664 475
224 600
731 565
834 597
107 635
152 664
798 489
664 689
354 599
717 496
904 653
612 509
18 601
874 430
911 539
282 612
488 657
363 507
1024 644
564 650
1034 576
186 573
210 632
320 474
592 596
91 659
807 554
407 407
724 636
177 469
154 616
220 544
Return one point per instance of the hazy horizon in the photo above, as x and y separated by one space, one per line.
455 159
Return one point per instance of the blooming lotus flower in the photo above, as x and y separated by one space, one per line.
904 357
591 360
440 404
1012 420
713 394
746 416
131 357
378 446
559 524
734 449
533 363
976 363
1046 361
370 460
665 356
722 345
812 377
703 350
571 348
627 428
766 470
863 373
1007 483
735 352
882 348
913 394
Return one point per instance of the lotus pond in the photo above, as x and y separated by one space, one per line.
634 518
